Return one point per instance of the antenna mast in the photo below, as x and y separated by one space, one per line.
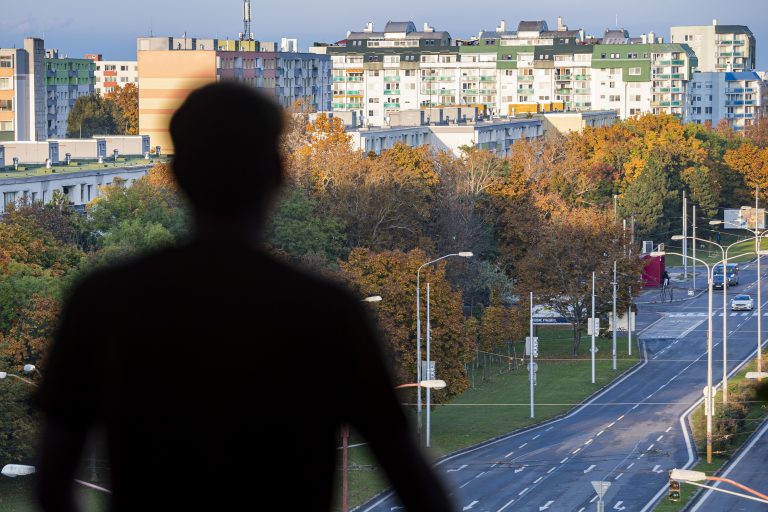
246 34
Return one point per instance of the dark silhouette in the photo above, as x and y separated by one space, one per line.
219 375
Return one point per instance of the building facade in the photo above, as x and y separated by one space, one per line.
500 72
112 74
739 98
65 80
171 68
718 47
23 114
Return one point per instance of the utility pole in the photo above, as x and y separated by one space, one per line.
530 366
685 237
629 323
593 327
694 248
759 314
614 314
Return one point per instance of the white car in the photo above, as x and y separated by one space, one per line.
742 303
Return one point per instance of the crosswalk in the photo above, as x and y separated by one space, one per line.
704 314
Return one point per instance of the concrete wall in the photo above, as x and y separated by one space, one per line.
29 152
88 149
126 144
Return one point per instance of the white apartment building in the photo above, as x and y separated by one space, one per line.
718 47
739 98
501 72
111 74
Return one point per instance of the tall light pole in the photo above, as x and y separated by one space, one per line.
708 395
614 314
530 370
724 265
593 327
418 332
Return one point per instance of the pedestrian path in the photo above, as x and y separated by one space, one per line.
704 314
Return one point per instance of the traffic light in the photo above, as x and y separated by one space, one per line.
674 490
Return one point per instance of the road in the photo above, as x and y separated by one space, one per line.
748 468
630 435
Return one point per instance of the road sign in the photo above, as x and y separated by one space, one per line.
593 323
428 373
708 400
601 487
543 315
535 346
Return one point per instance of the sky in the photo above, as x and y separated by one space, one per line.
77 27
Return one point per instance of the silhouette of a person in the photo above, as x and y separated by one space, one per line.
218 375
665 278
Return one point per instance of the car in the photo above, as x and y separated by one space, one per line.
719 277
742 303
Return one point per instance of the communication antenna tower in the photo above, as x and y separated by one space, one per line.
246 35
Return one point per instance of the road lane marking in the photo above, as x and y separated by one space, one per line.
538 480
505 506
577 450
508 455
670 428
618 476
620 417
551 469
593 499
630 465
590 468
659 438
522 445
480 474
537 436
611 424
454 470
546 505
649 448
522 492
563 461
588 442
469 507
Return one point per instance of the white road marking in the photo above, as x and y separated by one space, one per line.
538 480
522 492
619 418
649 448
635 407
659 438
630 465
618 506
469 507
480 474
611 424
588 442
520 469
598 434
522 445
550 428
506 505
507 455
618 476
563 461
551 469
657 469
590 468
670 428
458 469
593 499
546 506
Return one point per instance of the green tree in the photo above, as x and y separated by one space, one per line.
650 199
92 115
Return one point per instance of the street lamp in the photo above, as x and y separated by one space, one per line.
724 263
708 395
692 477
418 333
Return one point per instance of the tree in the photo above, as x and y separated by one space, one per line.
92 115
30 335
650 199
751 162
392 274
126 103
558 268
18 429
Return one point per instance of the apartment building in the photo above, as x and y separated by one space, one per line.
111 74
507 72
23 115
66 79
718 47
171 68
739 98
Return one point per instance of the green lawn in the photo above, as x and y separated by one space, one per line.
500 403
16 495
758 410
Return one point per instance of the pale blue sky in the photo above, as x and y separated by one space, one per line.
77 27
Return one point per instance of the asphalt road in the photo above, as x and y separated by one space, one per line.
747 468
630 435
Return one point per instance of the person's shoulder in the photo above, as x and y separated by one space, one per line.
312 282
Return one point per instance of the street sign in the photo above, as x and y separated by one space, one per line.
543 315
428 373
593 323
535 346
708 399
601 487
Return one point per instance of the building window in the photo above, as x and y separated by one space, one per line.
5 83
9 198
614 98
634 71
611 85
707 110
6 105
6 62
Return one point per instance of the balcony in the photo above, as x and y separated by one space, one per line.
564 91
676 62
338 79
423 79
730 54
469 91
354 79
666 103
447 78
674 76
739 90
668 89
582 91
389 92
397 78
487 91
354 93
732 115
582 77
738 103
487 78
525 78
563 78
391 105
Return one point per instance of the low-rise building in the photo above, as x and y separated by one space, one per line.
566 122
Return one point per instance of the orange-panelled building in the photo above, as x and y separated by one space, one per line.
171 68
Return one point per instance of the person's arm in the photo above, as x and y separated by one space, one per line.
376 413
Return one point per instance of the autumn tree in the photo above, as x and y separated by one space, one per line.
126 108
558 268
392 275
29 337
751 162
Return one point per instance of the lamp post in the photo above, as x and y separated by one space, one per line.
418 332
708 395
724 263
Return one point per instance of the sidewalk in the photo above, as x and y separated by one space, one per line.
679 287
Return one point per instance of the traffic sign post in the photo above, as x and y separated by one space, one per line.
601 487
428 372
535 346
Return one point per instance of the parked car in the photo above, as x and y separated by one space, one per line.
742 303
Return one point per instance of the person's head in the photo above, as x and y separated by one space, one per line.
227 158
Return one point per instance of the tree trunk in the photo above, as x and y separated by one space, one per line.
576 339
